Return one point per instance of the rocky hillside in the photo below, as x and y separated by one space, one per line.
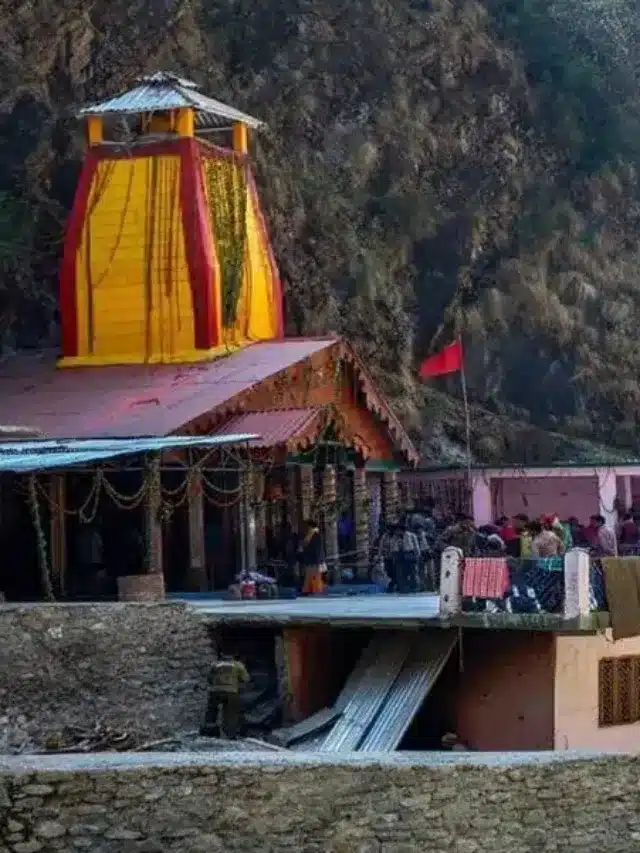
431 166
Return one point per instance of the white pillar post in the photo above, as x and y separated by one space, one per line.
451 563
607 493
481 499
577 567
627 492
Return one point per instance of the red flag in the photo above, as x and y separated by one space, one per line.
448 360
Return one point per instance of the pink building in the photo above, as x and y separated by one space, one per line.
578 490
524 690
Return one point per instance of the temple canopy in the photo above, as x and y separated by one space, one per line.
163 91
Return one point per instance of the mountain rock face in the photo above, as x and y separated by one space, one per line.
430 168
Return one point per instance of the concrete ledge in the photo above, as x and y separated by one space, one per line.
80 762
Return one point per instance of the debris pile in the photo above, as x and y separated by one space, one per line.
100 738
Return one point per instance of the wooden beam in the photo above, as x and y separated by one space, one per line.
361 522
58 532
198 581
329 502
153 522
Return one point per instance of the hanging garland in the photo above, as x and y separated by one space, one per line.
227 191
43 558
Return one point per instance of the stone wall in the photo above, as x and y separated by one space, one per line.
297 804
138 667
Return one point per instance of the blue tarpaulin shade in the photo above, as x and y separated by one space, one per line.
45 455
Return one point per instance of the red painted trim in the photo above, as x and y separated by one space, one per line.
275 274
198 243
72 243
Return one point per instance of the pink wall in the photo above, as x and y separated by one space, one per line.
504 699
538 495
576 695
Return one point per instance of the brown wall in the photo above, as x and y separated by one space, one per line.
505 694
314 384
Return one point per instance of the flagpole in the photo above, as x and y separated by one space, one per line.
467 415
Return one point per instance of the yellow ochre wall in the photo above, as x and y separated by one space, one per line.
236 202
133 288
132 259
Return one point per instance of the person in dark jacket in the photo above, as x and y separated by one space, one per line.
224 703
312 561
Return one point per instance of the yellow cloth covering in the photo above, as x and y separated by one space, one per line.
622 583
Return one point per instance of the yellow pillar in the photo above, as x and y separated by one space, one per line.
95 130
185 122
240 137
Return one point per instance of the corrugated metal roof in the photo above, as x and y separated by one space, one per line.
165 91
25 456
152 400
419 674
378 675
275 426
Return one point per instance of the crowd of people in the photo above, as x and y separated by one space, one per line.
408 553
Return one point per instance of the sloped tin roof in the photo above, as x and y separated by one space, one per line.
140 400
276 427
156 400
20 457
163 91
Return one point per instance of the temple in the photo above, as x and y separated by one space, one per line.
166 257
172 326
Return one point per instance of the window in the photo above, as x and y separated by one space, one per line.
619 691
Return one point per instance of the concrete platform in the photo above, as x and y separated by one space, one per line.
381 611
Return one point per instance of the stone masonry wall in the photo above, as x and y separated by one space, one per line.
297 804
137 667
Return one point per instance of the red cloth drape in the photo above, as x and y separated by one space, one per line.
448 360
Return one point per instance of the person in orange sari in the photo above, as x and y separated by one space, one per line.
311 558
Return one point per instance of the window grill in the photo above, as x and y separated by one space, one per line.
619 691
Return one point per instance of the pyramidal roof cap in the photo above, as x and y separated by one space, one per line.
165 91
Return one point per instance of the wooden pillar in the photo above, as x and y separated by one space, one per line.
329 503
307 491
248 520
293 497
390 497
361 522
198 581
153 522
260 510
58 533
